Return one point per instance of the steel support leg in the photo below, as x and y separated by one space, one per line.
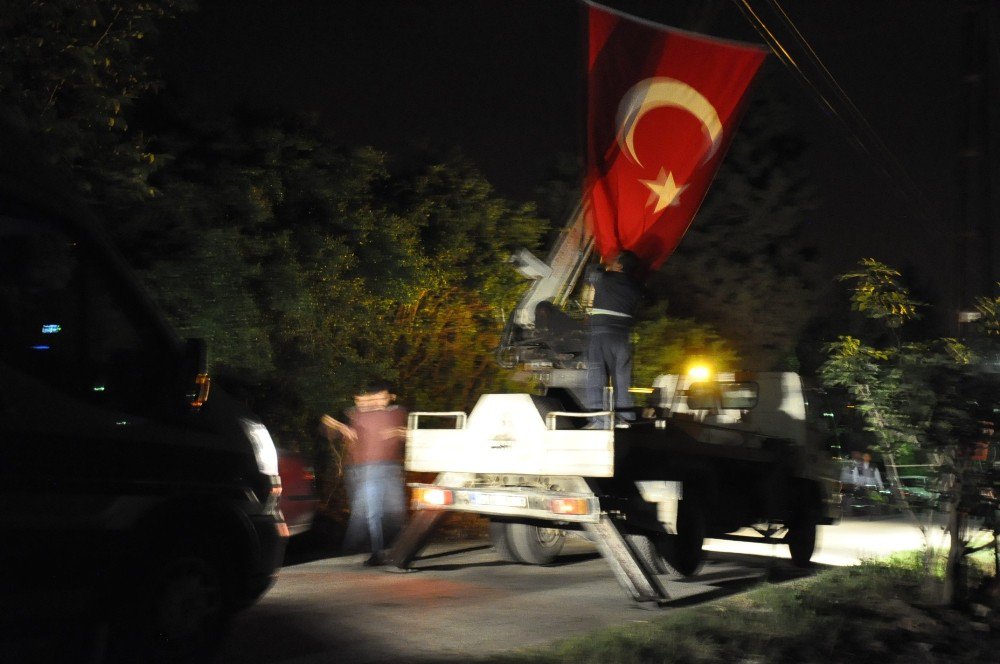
631 570
414 537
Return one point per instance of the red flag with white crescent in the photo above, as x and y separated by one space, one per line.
662 107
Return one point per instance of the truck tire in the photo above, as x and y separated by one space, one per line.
645 549
535 545
801 535
801 540
683 551
501 541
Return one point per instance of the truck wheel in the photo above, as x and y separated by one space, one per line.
801 540
645 549
501 541
535 545
801 535
683 551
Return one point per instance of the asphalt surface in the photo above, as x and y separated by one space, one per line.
463 602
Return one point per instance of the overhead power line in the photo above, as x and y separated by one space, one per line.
792 48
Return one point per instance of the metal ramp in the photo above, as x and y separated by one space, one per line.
631 570
414 537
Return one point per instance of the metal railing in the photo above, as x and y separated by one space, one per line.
413 420
551 418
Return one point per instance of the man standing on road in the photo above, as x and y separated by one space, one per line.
374 439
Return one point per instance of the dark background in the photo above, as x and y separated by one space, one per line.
502 80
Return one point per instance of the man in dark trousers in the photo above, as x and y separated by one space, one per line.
617 295
375 440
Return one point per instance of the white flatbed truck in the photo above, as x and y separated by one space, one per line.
703 459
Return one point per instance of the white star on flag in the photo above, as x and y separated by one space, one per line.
665 191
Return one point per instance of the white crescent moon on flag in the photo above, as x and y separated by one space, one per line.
658 92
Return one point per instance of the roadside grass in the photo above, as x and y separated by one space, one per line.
879 611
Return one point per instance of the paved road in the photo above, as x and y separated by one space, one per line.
463 601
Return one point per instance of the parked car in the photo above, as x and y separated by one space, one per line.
859 500
918 491
299 499
138 508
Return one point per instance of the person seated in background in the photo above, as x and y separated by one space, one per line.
866 474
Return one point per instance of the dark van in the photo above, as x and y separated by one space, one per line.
138 508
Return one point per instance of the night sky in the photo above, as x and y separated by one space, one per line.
502 79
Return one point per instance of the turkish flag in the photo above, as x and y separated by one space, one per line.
662 107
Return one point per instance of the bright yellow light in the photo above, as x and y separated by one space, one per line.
433 496
699 372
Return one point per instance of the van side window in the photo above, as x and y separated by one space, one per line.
62 320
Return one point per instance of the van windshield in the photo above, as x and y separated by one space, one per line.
63 319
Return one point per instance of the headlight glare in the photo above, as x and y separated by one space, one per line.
263 447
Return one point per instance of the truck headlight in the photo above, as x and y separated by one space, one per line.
263 447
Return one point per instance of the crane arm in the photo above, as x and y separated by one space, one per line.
555 279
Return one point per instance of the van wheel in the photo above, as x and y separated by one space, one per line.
500 541
535 545
180 615
683 551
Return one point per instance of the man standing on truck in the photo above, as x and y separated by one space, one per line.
616 299
374 440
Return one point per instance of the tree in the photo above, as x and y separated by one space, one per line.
467 234
73 71
665 345
309 268
932 397
558 195
742 268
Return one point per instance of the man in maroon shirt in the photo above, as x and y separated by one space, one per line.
375 439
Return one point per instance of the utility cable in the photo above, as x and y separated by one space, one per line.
834 98
855 112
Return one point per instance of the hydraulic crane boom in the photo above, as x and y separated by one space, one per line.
539 332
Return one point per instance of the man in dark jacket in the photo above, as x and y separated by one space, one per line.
617 295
